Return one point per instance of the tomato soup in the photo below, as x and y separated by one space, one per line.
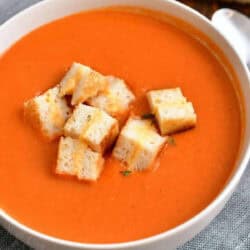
148 53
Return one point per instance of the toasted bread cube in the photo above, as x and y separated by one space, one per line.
48 113
93 126
175 117
91 84
115 100
71 79
77 159
138 144
65 162
164 96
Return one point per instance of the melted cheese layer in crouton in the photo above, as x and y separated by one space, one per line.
93 126
138 144
89 86
115 100
77 159
48 113
71 79
175 117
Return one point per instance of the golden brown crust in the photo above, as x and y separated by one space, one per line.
32 116
93 85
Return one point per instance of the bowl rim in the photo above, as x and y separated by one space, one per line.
226 191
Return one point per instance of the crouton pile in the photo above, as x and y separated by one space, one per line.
86 110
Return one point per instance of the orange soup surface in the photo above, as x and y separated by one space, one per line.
149 54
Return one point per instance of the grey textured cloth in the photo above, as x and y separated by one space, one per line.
231 228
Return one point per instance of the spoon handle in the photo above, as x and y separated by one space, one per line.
235 27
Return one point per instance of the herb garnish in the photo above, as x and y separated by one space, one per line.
88 117
126 172
171 140
148 116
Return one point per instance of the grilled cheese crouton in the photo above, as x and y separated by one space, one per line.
175 117
90 85
171 109
164 96
93 126
71 79
138 144
48 113
115 100
77 159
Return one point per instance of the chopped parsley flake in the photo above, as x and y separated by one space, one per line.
171 140
88 117
126 172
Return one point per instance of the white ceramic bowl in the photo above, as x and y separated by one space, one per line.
49 10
